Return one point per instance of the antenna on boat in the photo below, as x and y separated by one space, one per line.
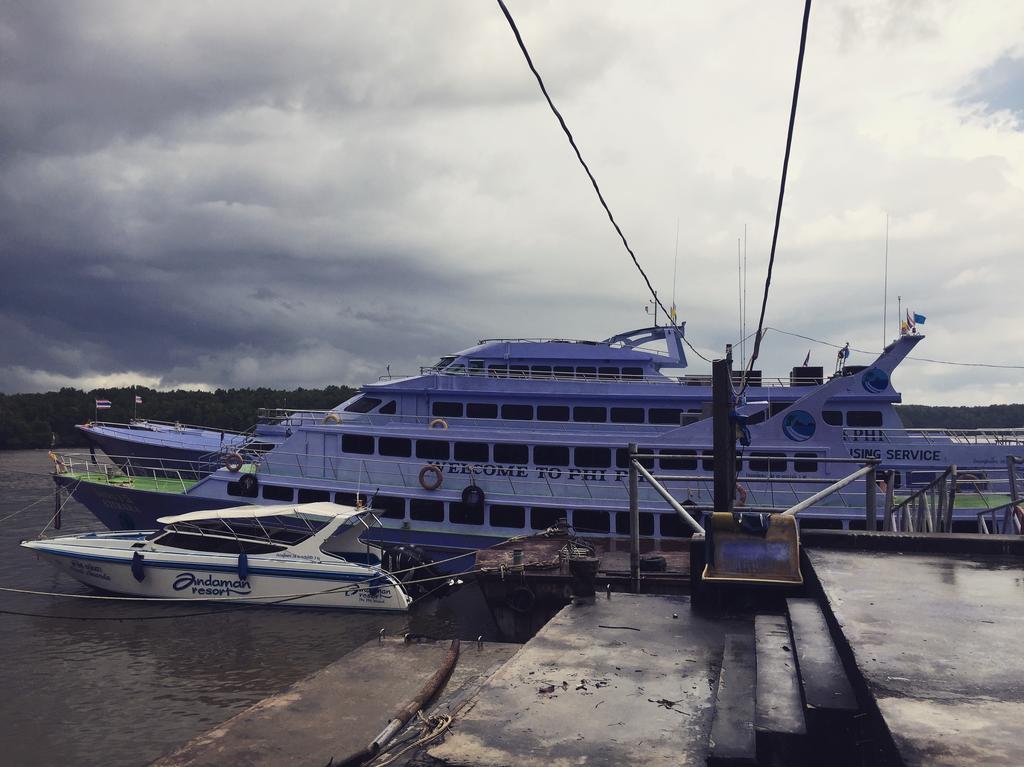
675 272
885 283
743 309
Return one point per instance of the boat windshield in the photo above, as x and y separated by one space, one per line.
262 535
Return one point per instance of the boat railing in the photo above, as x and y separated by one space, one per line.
696 379
595 488
158 473
141 423
938 436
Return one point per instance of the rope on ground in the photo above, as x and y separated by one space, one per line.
431 729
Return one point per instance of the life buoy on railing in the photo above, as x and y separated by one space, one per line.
431 476
438 423
331 418
233 461
741 495
473 496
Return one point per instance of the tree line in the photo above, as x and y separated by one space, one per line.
45 420
48 419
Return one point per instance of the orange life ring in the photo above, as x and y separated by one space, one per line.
438 423
437 476
741 495
331 418
233 461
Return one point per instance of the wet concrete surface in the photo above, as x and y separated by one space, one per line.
937 640
616 682
339 709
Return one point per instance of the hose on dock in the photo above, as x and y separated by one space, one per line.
401 718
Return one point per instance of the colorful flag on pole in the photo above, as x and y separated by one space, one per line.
103 404
807 359
138 400
919 318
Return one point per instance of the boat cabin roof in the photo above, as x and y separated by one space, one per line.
320 512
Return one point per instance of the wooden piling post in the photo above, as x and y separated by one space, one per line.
870 500
723 434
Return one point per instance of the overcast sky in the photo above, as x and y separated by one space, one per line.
286 194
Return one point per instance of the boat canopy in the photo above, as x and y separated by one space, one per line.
320 511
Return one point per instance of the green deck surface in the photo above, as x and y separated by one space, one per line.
157 484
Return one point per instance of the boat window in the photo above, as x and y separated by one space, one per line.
464 514
770 462
810 466
593 457
590 521
388 506
278 493
235 488
481 410
665 415
608 374
444 362
508 516
552 412
863 418
627 415
447 409
389 408
690 416
777 407
541 371
363 405
832 417
543 518
216 545
517 412
456 369
551 455
673 527
307 495
587 414
497 371
424 510
346 499
433 449
357 443
476 367
394 446
472 451
511 453
586 372
622 526
634 374
564 371
689 463
518 371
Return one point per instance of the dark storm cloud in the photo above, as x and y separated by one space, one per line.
189 190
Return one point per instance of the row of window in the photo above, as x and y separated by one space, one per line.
583 457
496 515
861 419
561 372
366 404
670 416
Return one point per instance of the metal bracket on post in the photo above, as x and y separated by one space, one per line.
634 519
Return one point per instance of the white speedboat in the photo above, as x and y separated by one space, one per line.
258 554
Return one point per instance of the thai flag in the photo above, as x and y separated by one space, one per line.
103 404
138 400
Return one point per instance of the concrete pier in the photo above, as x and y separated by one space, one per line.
623 681
336 711
936 639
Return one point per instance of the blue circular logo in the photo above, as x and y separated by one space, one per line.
799 426
875 380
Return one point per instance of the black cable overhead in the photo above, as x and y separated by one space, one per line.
782 194
593 181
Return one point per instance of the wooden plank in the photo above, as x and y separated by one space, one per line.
778 705
732 728
825 684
